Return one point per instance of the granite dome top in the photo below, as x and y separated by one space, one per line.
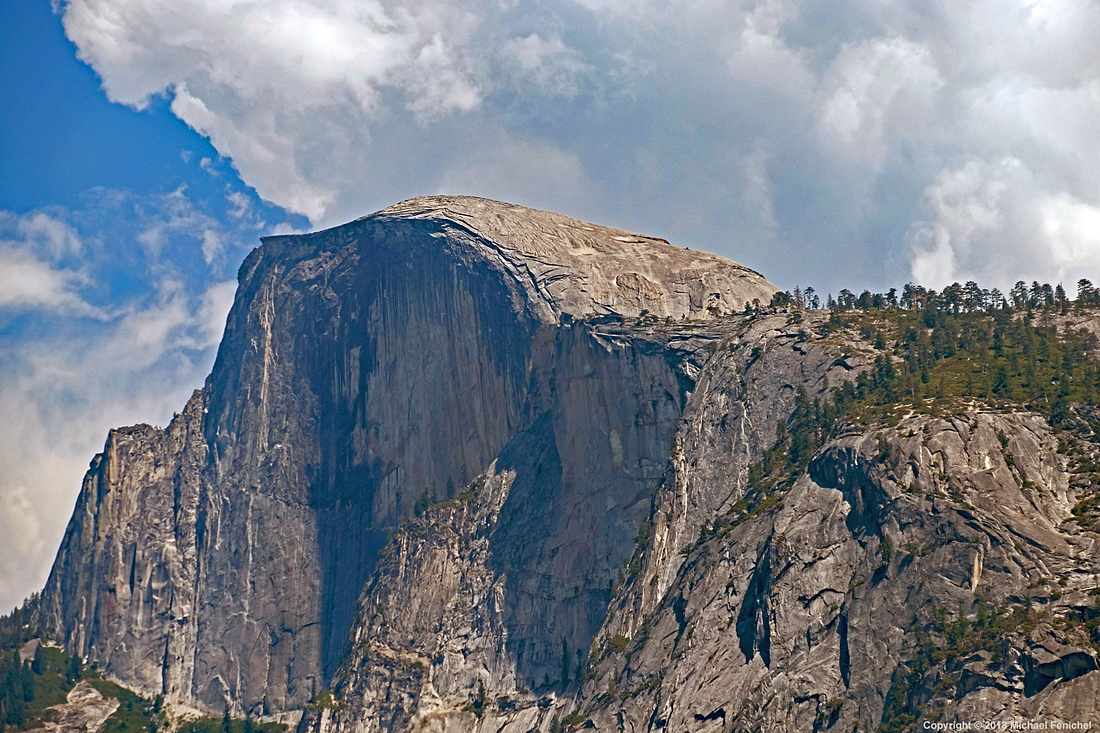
587 269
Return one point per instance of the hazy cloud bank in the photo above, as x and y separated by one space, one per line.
109 316
894 141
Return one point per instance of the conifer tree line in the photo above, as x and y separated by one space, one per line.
954 298
17 687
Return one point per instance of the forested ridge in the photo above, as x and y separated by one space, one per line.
942 353
1029 348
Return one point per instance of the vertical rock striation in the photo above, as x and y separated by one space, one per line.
362 368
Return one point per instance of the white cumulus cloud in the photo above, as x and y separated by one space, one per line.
656 112
1071 230
999 221
254 76
875 92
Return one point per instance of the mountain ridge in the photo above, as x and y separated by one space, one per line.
458 468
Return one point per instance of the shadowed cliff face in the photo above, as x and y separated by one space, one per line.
918 568
362 368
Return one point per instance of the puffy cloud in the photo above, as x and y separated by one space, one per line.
967 204
37 265
254 76
876 92
757 55
298 52
264 154
47 233
749 128
240 207
999 221
212 245
28 282
1071 229
171 215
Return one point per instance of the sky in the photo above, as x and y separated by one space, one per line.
146 145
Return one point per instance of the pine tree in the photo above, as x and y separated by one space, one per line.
564 663
479 702
74 669
26 679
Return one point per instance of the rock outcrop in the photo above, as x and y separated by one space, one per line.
822 613
84 711
364 368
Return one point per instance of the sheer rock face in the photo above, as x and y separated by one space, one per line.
804 617
430 471
362 368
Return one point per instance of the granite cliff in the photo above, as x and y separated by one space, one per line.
463 466
362 368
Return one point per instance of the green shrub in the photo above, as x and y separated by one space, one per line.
617 644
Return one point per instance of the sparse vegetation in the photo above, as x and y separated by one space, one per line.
617 644
324 700
211 724
28 687
573 719
945 641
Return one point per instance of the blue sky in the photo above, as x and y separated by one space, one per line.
120 234
145 146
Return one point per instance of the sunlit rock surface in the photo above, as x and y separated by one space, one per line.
474 467
84 711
